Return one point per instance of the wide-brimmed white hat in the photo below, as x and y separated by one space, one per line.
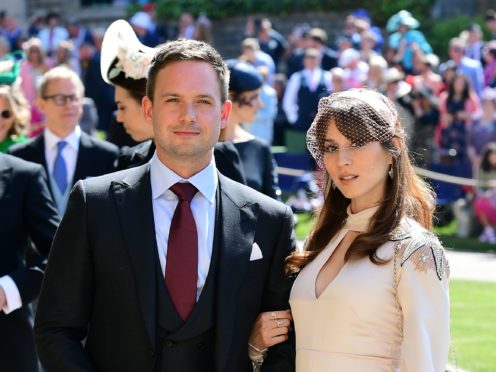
123 55
403 17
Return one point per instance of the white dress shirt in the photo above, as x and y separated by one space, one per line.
12 294
69 152
202 206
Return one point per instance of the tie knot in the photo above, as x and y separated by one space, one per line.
184 191
61 145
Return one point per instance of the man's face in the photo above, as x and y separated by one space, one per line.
186 113
62 105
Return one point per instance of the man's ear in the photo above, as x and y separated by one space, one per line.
146 109
225 112
41 103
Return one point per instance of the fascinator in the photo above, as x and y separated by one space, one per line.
125 60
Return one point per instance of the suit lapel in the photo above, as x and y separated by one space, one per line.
134 205
83 161
5 174
237 232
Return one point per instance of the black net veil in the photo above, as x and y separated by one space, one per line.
362 115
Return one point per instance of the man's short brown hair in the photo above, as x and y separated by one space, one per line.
188 50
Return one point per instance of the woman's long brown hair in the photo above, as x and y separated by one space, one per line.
406 195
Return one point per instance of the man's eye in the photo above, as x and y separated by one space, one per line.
204 102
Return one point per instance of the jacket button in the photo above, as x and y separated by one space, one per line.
169 343
201 346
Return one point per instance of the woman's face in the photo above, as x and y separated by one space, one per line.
6 118
130 115
360 173
459 84
492 159
247 106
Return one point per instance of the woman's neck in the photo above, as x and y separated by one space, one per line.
235 133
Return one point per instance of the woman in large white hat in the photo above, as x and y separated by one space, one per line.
124 64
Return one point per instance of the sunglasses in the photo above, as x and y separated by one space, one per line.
6 114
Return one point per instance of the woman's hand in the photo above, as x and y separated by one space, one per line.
270 328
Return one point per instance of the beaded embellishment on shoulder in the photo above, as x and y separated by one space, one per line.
422 247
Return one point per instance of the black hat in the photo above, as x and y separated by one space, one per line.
244 77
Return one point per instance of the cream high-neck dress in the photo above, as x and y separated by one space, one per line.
356 324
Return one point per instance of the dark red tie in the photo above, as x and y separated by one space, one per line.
181 269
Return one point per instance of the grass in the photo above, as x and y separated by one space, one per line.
473 324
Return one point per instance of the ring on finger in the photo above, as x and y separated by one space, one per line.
273 315
278 323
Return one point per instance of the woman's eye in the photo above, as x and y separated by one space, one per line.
331 149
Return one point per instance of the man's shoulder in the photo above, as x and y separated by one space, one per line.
126 178
242 195
18 165
25 147
98 145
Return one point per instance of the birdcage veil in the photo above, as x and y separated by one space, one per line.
361 115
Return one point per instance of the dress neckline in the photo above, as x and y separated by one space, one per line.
358 222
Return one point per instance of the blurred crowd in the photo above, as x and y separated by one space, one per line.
447 107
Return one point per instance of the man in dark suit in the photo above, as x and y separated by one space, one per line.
28 217
158 282
66 153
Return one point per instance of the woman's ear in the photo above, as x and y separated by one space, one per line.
398 144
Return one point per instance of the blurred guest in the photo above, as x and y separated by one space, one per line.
245 85
14 117
78 35
337 79
483 129
489 56
485 199
474 42
27 225
304 90
271 41
405 39
143 26
426 77
377 67
32 68
64 56
459 106
280 121
470 67
185 26
67 153
262 127
52 34
203 30
355 70
251 53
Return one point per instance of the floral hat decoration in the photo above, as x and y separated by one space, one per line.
125 60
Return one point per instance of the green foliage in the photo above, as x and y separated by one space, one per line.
439 32
380 10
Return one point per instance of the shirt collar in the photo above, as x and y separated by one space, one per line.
162 178
51 139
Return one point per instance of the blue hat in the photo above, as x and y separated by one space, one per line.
244 77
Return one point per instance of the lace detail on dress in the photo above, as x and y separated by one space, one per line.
422 247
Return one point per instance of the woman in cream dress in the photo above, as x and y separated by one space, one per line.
372 287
